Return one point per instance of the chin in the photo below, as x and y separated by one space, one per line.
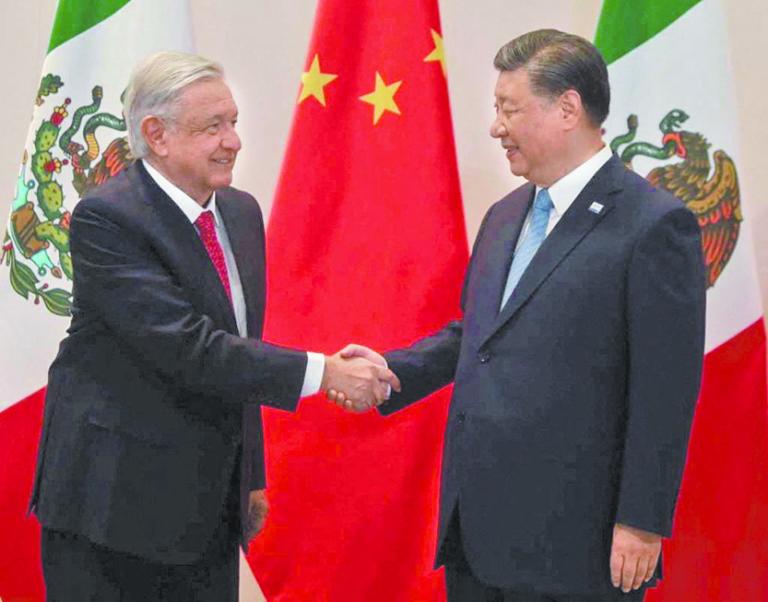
518 171
221 182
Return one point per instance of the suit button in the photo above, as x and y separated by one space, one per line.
485 357
460 417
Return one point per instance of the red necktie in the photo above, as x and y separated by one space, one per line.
207 229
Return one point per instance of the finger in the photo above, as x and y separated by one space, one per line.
395 383
642 570
380 391
332 394
617 566
361 407
628 573
652 567
390 377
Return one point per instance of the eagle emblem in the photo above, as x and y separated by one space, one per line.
62 169
714 199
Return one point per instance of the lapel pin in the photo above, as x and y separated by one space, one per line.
596 208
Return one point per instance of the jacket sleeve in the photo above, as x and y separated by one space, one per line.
666 315
120 278
430 363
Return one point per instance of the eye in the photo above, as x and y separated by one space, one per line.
213 128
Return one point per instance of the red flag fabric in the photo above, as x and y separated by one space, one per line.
719 550
366 243
20 540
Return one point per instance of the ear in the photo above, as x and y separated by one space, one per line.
571 108
154 132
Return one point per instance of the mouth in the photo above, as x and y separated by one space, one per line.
511 150
229 161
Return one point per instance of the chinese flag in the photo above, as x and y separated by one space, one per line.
366 243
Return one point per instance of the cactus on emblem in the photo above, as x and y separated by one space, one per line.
62 170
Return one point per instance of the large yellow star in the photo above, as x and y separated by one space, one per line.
382 98
438 54
314 81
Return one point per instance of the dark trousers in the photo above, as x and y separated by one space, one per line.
77 570
463 586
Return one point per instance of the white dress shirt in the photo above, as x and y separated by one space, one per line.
192 210
566 189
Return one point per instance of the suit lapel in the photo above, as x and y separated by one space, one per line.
498 258
245 245
574 226
182 237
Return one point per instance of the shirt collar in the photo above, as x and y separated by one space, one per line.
189 207
566 189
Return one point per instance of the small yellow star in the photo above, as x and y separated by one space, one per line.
314 81
382 98
438 54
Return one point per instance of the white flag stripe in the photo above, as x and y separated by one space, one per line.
662 74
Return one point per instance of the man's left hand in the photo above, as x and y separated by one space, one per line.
258 507
634 556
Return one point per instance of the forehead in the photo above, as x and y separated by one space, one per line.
512 85
205 99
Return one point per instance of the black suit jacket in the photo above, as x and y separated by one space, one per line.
572 407
144 412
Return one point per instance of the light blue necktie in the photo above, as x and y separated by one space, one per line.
537 232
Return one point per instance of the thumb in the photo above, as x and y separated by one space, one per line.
386 375
353 350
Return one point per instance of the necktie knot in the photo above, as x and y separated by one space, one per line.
206 226
543 201
205 223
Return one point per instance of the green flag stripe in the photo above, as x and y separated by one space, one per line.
75 16
625 24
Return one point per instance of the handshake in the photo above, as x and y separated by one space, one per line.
357 378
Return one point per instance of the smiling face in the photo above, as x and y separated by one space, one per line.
529 127
196 150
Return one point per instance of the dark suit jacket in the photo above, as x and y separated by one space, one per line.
572 407
143 422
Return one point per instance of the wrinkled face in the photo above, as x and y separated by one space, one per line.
201 142
528 126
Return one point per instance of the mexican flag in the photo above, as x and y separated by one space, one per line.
673 120
366 243
76 141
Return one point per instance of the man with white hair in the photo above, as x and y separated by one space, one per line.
150 452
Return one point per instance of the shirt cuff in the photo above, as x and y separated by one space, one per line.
313 377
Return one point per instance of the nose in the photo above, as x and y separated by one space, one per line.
498 130
231 140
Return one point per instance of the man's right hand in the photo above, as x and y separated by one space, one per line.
363 382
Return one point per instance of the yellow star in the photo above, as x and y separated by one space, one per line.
438 54
382 98
314 81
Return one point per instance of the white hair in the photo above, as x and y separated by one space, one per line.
155 87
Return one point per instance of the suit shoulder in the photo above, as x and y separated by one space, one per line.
653 206
244 201
115 197
651 199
